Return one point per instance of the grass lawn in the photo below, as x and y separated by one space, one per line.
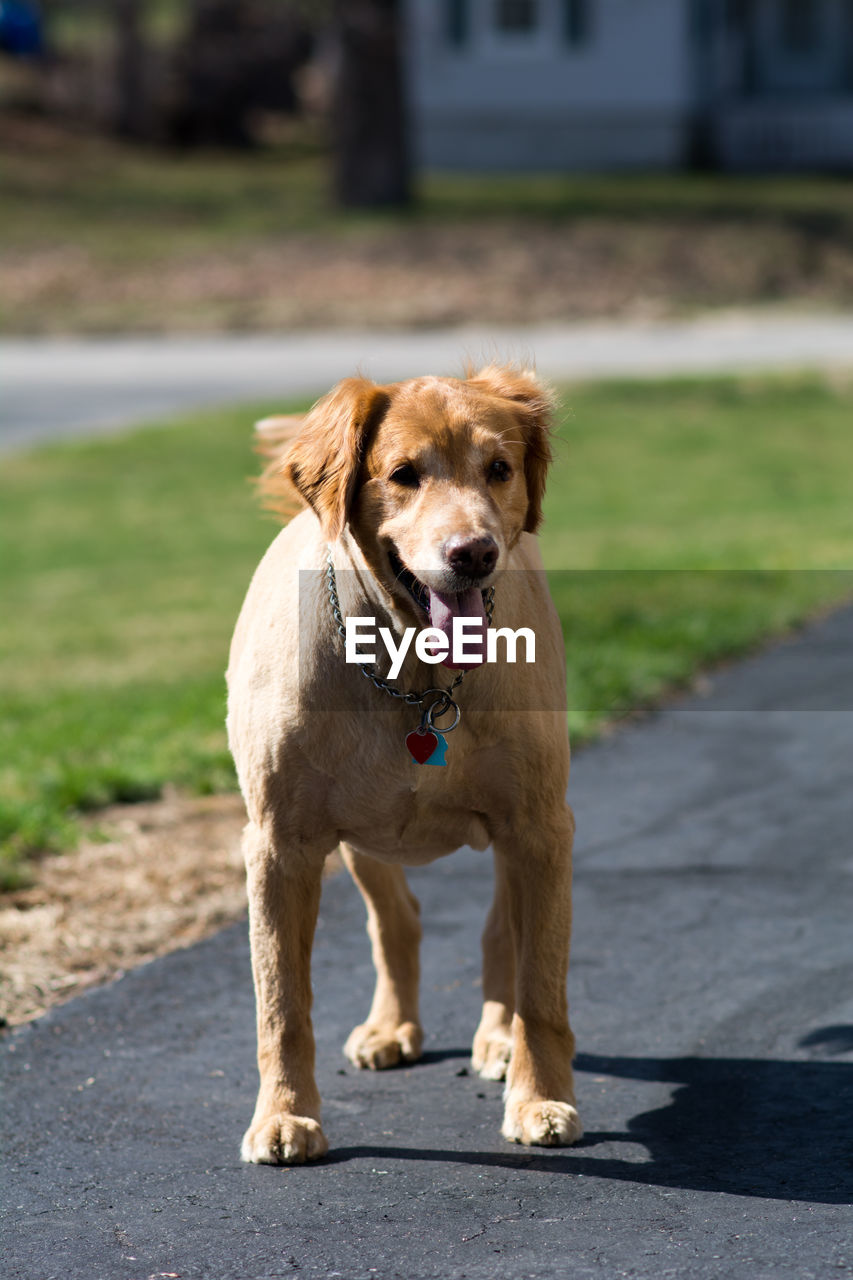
123 563
96 194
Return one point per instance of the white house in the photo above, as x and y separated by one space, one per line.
618 84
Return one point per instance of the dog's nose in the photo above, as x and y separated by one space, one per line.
471 557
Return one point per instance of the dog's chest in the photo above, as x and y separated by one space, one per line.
411 819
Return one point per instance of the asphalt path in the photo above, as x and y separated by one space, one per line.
712 997
56 387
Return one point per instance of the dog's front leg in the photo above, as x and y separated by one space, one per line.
539 1096
284 897
490 1053
392 1031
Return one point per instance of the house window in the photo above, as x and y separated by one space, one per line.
516 17
800 25
577 21
456 21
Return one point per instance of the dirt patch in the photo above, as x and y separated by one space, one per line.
500 272
145 880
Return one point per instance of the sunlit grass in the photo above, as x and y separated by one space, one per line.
118 202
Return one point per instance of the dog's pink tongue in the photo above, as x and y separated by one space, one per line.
443 608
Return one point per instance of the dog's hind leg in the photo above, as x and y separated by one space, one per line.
492 1046
284 897
392 1032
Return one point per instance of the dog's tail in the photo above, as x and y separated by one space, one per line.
273 438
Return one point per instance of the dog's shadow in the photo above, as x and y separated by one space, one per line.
744 1126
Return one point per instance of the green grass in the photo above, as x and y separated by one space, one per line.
123 566
121 202
123 563
93 30
686 521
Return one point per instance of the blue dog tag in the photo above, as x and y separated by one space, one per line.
440 752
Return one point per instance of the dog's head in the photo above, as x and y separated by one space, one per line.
436 477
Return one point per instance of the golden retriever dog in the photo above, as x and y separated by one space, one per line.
421 503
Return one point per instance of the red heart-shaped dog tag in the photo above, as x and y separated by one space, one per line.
421 745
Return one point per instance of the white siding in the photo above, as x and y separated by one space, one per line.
776 135
630 97
622 98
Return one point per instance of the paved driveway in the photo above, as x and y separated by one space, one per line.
712 997
53 388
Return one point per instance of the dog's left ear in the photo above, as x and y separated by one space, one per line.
534 407
323 461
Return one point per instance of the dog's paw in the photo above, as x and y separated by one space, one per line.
491 1052
379 1046
284 1139
542 1124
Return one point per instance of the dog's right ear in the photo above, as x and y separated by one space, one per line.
322 462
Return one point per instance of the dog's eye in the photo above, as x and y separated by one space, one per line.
406 476
500 470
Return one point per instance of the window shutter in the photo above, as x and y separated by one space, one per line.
577 21
457 22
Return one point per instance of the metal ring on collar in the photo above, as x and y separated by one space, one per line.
443 703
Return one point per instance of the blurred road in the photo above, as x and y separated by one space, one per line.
712 997
56 387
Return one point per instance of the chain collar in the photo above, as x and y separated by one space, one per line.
413 699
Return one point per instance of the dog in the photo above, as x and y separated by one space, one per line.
421 500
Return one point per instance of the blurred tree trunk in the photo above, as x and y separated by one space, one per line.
370 126
131 114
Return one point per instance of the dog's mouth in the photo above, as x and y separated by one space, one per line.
418 590
442 608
